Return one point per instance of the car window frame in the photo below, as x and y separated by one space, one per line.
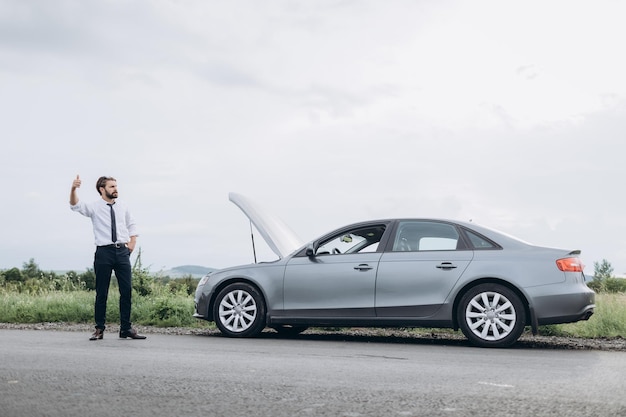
387 224
462 243
471 246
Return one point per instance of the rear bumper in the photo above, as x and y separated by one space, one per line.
585 315
564 308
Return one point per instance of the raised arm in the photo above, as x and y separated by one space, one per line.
73 195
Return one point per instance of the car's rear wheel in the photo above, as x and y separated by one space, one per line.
491 315
239 310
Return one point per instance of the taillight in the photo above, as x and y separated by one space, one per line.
570 265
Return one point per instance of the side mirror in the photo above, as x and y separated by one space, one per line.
310 251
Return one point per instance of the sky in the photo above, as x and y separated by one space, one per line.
326 112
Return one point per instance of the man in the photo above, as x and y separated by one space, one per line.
116 236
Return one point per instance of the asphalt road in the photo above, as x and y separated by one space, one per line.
57 373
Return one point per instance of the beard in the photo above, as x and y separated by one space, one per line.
111 196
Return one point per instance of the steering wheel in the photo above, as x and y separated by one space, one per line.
336 251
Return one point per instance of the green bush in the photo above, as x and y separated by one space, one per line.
169 311
13 275
186 284
610 285
615 285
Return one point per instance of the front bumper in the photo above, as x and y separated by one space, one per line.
202 307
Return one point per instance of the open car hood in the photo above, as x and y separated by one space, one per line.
279 237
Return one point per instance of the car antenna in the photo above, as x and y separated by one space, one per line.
252 236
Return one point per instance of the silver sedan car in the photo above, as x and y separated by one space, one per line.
397 273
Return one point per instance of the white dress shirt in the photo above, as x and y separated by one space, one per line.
100 214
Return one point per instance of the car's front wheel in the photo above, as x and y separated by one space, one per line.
239 310
491 315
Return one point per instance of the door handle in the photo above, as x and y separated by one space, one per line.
363 267
446 265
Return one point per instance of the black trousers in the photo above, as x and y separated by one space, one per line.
108 259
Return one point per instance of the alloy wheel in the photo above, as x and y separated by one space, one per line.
237 311
490 315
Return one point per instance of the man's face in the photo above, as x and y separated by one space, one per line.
110 189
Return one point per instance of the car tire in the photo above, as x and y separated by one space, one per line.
239 311
491 315
288 330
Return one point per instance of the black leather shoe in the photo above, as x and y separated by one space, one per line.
97 335
131 333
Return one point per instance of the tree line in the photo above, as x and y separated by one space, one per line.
31 279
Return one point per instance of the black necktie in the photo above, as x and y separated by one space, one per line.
113 231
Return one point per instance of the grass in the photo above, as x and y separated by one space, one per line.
162 308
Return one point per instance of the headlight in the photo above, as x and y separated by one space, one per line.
203 280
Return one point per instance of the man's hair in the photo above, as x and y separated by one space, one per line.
102 182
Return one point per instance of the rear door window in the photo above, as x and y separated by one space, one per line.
412 236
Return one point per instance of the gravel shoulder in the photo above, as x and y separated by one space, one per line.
366 335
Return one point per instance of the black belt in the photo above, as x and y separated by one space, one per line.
114 245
